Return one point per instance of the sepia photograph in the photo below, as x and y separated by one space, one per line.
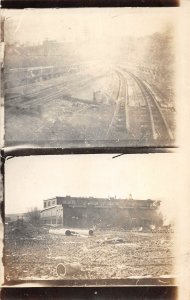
90 77
95 80
82 220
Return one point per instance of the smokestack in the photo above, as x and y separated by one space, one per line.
130 197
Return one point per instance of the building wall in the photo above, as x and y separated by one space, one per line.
105 217
52 215
102 213
50 202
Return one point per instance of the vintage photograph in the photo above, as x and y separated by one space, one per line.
91 220
90 77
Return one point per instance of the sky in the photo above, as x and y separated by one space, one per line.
30 180
36 25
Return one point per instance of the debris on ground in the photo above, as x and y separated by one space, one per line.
71 232
24 230
105 255
114 241
68 269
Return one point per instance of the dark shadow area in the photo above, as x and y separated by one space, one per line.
131 293
90 3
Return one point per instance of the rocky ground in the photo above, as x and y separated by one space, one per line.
34 254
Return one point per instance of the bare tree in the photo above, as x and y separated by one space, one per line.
33 215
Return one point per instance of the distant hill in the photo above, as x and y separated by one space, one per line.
14 217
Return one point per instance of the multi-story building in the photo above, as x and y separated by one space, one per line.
52 212
86 212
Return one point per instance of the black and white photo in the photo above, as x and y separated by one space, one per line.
90 77
91 220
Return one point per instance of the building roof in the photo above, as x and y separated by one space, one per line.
109 202
49 207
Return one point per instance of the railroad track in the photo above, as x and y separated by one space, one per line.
153 116
118 121
144 121
48 93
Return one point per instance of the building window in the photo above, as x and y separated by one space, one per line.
45 204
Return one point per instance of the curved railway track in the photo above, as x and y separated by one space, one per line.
158 123
143 120
137 117
118 121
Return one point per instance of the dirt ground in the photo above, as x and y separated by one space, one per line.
105 255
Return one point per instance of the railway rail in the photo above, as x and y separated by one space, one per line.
136 116
40 95
118 121
159 126
142 119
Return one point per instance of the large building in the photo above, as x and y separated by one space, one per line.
85 212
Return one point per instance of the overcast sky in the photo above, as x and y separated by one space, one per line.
35 25
30 180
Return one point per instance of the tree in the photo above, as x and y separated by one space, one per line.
34 216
